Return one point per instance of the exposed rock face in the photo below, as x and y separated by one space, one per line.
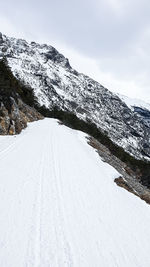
144 114
14 99
55 83
14 120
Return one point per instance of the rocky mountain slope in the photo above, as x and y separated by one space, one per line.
13 121
14 99
139 107
56 84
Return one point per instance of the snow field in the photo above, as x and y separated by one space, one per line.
60 207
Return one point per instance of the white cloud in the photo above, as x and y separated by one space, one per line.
117 6
7 27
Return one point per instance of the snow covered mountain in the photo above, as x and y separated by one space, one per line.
60 206
139 107
56 83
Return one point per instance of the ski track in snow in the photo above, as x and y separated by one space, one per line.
60 207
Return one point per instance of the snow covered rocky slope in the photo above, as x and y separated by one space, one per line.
55 83
60 206
139 107
16 103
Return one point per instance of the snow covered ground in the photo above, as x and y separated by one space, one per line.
59 206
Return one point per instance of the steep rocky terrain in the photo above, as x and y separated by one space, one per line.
144 114
139 107
37 78
14 112
14 120
56 84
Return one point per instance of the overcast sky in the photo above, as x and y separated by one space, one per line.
107 39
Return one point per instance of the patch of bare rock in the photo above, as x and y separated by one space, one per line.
14 119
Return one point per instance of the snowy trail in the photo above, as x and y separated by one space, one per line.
59 206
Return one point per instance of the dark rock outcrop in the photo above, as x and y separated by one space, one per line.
144 114
14 120
14 112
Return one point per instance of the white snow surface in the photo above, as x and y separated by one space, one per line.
60 207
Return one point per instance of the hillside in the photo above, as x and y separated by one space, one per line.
16 102
57 85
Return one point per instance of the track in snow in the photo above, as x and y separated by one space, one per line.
59 206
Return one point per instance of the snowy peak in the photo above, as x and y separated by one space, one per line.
56 84
13 47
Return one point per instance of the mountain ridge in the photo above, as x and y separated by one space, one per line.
56 84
